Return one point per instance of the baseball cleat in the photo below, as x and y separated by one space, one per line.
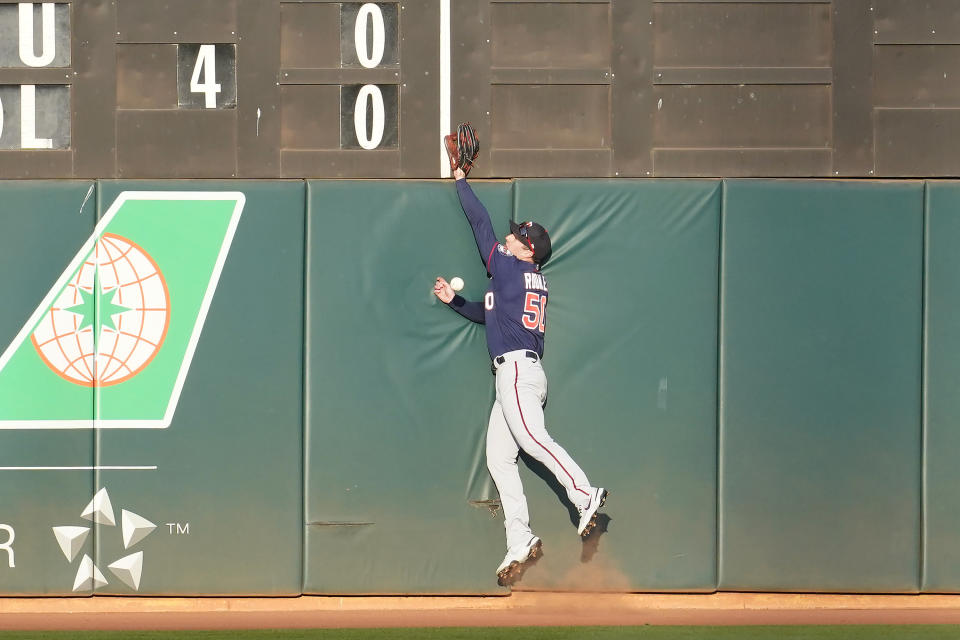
588 515
517 561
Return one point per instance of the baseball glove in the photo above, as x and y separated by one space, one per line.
463 147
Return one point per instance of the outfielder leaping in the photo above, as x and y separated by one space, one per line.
514 312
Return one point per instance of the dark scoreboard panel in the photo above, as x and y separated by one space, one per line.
313 88
219 88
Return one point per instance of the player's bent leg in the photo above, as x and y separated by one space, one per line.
521 389
502 453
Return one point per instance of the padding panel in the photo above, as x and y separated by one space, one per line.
820 386
631 360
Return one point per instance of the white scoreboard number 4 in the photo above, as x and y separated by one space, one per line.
206 66
207 76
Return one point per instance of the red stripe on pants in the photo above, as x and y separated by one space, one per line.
516 391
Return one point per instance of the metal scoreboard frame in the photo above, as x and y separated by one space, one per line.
592 88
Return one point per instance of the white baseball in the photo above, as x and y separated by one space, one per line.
456 283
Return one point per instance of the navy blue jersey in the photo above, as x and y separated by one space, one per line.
515 306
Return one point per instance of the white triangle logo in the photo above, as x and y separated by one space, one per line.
71 539
135 528
88 576
128 569
100 510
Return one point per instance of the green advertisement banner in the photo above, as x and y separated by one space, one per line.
131 381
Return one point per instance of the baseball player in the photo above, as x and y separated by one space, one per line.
514 312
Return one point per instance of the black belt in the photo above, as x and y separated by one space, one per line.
530 354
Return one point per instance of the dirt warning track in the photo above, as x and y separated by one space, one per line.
518 609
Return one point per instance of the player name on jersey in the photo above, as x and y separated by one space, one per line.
535 281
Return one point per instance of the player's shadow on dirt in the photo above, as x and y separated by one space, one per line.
592 542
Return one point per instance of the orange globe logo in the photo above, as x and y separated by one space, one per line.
111 318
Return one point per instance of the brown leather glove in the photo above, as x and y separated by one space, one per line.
462 147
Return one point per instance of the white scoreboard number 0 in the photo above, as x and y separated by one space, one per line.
369 41
369 92
372 94
368 13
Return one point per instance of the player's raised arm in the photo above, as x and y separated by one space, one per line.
478 217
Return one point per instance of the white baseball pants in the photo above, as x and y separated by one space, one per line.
516 422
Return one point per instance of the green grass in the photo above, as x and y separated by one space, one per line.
846 632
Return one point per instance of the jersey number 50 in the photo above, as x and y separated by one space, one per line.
535 311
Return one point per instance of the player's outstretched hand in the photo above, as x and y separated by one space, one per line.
443 290
458 174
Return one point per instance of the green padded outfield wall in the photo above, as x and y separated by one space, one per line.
821 305
400 387
191 482
42 224
941 523
327 435
398 391
230 462
631 363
